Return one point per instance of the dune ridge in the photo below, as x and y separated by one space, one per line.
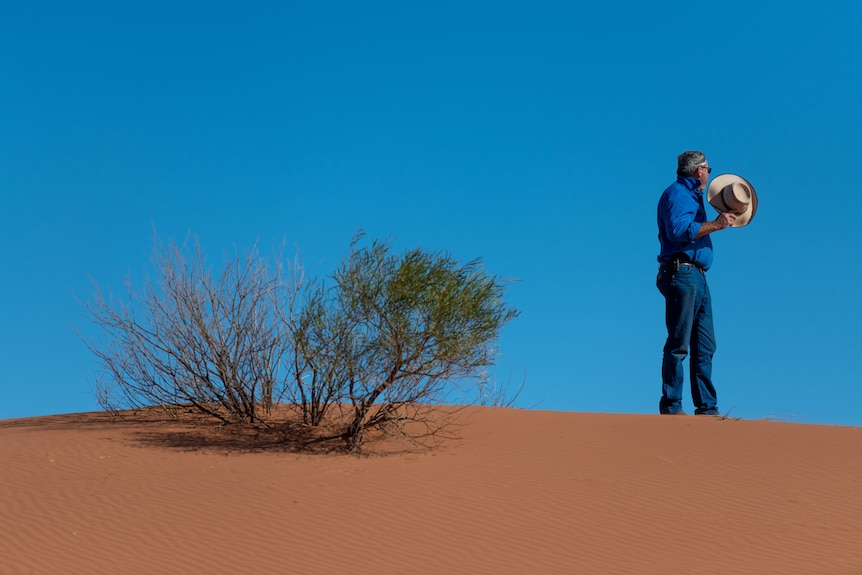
520 492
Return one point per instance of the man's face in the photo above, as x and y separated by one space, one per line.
703 175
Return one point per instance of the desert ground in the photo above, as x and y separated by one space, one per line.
519 492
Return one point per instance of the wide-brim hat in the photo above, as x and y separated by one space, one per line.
732 193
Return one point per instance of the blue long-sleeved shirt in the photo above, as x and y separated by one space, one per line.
680 214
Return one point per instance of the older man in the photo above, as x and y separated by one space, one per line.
685 257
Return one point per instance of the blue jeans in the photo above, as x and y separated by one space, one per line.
688 315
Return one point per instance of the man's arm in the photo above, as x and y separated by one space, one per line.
722 221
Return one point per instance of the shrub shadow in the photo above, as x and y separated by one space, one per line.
191 432
183 429
275 438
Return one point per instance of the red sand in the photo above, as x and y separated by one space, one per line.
522 492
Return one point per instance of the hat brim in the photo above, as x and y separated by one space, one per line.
713 196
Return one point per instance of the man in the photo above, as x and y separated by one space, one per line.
685 257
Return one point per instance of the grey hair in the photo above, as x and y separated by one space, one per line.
688 162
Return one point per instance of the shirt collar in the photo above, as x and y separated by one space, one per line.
691 183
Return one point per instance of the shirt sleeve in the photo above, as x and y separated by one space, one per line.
680 224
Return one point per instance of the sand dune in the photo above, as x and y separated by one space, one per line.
521 492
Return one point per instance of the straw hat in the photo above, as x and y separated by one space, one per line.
731 193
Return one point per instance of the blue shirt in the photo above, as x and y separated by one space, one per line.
680 214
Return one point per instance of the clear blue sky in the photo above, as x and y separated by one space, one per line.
536 135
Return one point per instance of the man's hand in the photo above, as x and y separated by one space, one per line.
723 220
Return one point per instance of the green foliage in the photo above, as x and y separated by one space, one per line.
416 322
